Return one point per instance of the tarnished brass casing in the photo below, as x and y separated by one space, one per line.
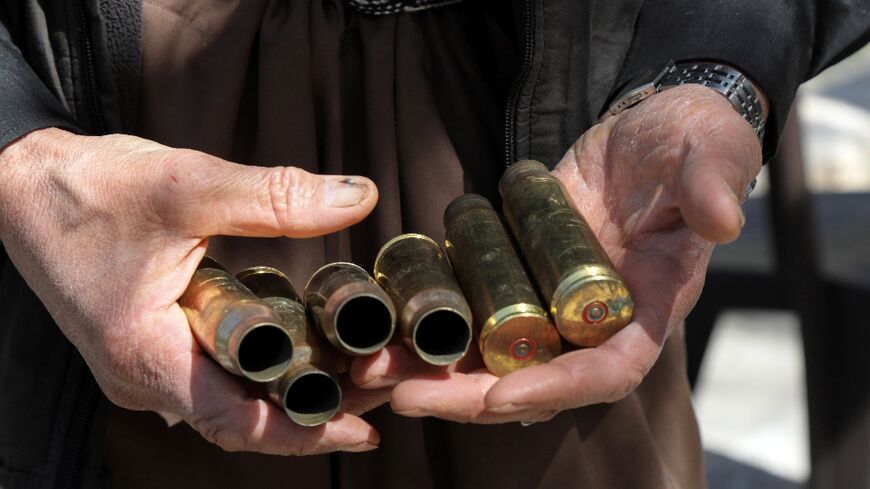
350 309
434 317
307 391
236 328
589 302
511 326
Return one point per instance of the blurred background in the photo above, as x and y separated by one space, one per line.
751 383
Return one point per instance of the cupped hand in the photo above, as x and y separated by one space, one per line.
660 184
108 231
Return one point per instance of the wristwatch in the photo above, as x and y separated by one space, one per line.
724 79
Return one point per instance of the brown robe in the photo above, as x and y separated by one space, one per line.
413 101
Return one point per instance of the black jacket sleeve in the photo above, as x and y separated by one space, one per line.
777 43
25 102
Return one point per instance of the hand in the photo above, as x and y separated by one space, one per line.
108 231
660 184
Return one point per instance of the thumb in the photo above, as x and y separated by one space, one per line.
713 181
216 197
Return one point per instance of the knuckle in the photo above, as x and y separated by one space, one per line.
117 395
122 384
289 190
301 446
116 366
178 159
217 429
176 181
632 372
121 393
631 379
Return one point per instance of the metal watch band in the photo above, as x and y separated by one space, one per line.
726 80
390 7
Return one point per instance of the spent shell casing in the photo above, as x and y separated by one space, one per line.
350 309
512 328
434 317
588 300
236 328
307 391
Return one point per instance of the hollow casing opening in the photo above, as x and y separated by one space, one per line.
364 323
312 399
442 337
264 352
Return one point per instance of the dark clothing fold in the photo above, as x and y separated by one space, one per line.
403 100
779 45
429 104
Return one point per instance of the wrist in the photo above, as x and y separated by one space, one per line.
33 147
744 96
35 141
24 161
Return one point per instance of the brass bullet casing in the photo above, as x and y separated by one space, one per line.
434 317
307 391
236 328
588 300
350 309
512 328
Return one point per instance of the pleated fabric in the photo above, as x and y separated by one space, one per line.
413 101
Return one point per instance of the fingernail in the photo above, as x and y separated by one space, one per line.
345 191
414 413
171 419
507 408
742 217
359 447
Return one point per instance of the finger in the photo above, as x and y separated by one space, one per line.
218 405
209 196
390 366
716 171
606 373
222 412
456 397
358 401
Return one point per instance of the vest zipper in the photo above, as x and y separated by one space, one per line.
80 427
89 71
510 117
79 432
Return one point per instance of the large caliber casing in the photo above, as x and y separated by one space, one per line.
236 328
434 317
350 309
307 391
588 300
511 326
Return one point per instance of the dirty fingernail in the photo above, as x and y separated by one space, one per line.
507 408
345 191
359 447
414 413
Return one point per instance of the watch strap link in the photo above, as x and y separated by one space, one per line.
636 94
732 84
725 80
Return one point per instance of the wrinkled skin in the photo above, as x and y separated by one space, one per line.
108 231
660 184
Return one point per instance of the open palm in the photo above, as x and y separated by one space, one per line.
660 184
108 234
